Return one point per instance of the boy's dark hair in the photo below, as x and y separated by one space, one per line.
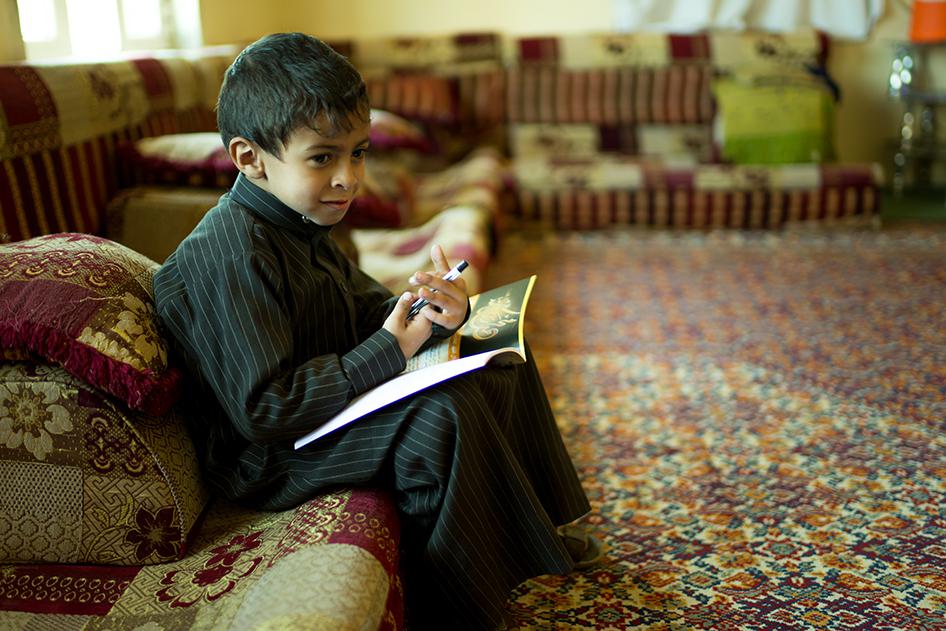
285 81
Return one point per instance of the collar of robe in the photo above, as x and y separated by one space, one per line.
268 206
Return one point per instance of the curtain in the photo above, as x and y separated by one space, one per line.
847 19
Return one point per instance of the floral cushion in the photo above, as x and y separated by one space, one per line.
86 303
87 480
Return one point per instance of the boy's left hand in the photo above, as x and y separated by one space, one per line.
450 297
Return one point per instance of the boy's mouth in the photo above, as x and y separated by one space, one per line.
338 204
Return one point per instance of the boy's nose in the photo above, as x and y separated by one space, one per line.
345 177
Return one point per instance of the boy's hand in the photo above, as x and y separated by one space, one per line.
450 298
410 334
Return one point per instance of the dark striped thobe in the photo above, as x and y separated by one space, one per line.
279 331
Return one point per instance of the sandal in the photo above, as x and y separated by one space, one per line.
584 548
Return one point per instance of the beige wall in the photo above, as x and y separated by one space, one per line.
235 21
369 18
867 119
11 42
225 21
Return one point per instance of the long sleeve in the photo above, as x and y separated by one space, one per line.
267 330
240 337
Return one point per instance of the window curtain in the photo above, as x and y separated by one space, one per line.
846 19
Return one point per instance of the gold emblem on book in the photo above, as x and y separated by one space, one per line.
488 320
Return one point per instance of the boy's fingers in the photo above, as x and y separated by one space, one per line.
404 303
441 265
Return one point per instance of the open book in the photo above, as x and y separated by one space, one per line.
492 335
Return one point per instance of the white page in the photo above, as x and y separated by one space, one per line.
396 389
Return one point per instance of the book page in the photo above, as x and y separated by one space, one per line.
394 390
437 354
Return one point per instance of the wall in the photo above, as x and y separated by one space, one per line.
235 21
378 18
11 44
867 119
227 20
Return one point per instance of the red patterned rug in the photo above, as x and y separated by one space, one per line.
758 420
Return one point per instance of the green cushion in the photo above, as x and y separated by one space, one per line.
781 123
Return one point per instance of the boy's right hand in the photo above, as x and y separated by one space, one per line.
410 334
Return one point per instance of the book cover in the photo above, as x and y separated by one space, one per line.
493 335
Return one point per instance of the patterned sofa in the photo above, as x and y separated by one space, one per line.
710 130
706 130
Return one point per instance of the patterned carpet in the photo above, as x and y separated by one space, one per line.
759 421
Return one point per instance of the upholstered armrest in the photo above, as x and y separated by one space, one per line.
153 220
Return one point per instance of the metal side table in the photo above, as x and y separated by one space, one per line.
910 83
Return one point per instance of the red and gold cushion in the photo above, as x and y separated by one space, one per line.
86 303
390 131
85 479
192 159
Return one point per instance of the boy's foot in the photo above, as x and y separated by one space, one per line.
584 548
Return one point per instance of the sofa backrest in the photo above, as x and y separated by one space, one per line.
636 93
60 124
453 80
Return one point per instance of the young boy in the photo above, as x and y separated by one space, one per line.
279 331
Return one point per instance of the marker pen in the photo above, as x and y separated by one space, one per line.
420 303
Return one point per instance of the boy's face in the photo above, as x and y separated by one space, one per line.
318 176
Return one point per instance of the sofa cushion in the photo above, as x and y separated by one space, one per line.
86 479
616 191
477 180
195 159
390 131
86 303
385 198
330 563
774 121
199 160
392 256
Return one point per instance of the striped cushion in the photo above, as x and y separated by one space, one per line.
679 93
614 191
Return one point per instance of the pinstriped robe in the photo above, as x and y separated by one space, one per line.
278 331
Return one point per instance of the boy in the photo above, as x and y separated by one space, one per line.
279 331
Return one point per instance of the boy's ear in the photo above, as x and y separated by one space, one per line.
247 157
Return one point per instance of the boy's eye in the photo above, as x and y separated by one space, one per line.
321 158
360 154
